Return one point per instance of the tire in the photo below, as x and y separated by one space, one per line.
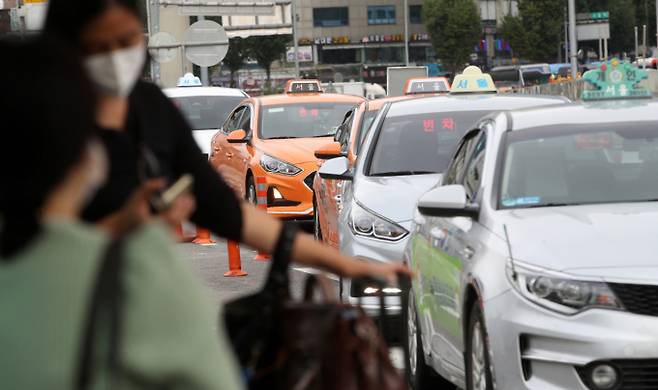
419 374
251 196
317 229
477 362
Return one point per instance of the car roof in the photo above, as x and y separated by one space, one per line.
272 100
471 102
203 91
611 111
377 104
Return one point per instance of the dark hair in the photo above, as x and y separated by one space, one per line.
67 18
47 108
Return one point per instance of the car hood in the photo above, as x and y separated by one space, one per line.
295 151
584 239
393 197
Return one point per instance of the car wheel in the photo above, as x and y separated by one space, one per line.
317 229
420 375
251 196
478 367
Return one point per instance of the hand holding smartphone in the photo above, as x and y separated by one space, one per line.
163 200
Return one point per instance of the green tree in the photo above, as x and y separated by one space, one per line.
235 57
454 28
267 49
537 30
622 20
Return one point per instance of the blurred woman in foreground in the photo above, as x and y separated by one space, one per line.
50 166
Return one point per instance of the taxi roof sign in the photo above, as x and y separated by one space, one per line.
189 80
615 79
472 80
303 86
423 85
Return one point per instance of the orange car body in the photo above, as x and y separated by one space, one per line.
328 193
241 163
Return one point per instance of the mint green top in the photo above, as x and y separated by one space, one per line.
169 329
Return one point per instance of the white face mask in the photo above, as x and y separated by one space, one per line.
115 73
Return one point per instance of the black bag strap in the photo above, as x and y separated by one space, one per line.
103 312
278 280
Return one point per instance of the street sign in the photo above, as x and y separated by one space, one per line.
206 43
594 31
163 47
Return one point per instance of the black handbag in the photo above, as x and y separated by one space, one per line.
305 345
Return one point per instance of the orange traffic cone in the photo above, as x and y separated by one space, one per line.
203 237
261 196
234 262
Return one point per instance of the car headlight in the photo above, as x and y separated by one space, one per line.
558 292
368 224
274 165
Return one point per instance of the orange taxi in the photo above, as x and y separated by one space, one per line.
275 137
348 139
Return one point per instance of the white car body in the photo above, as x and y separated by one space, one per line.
204 136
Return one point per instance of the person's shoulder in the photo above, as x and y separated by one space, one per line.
145 88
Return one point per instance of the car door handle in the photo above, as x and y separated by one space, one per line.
467 253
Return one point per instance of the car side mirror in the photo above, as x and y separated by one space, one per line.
238 137
329 151
336 169
448 201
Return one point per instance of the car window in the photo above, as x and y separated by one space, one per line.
206 112
245 121
302 120
366 121
234 120
345 131
580 164
458 163
473 175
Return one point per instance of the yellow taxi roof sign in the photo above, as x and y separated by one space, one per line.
472 80
303 86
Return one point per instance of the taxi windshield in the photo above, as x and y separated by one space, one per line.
419 143
304 120
206 112
555 166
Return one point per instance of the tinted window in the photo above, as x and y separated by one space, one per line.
206 112
580 165
456 169
473 177
381 14
302 120
367 120
233 122
415 14
420 143
330 16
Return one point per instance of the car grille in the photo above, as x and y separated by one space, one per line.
634 374
309 180
637 298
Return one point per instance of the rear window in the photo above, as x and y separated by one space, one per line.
206 112
304 120
420 143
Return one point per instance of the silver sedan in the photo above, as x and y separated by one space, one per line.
536 256
404 154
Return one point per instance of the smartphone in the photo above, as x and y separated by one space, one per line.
163 200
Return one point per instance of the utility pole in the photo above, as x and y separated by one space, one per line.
566 36
205 79
644 46
153 16
406 32
656 24
637 48
293 10
573 42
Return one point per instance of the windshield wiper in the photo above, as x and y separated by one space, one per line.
282 137
550 204
403 173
